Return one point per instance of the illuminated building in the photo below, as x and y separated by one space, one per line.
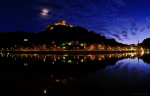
63 23
93 47
101 47
71 45
71 25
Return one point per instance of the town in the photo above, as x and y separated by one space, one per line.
50 40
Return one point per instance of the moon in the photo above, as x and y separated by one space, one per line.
45 12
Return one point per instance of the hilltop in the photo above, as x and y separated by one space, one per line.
58 33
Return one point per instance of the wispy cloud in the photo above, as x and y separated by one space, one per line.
125 34
117 36
133 33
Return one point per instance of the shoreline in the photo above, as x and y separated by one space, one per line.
69 52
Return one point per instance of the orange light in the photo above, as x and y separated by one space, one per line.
57 80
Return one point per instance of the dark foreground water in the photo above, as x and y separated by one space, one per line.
75 75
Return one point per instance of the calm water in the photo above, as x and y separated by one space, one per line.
74 75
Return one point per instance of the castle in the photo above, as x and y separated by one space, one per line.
63 23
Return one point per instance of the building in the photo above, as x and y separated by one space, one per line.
101 46
63 23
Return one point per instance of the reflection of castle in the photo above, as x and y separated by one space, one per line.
63 23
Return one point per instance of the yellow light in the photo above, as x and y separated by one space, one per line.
64 57
69 43
81 44
82 60
51 28
69 61
53 42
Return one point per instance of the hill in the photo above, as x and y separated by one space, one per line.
64 33
146 43
58 34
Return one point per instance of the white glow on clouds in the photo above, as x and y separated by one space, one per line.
45 12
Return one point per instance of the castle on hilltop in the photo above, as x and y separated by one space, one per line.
63 23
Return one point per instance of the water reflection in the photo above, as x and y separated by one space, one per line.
74 75
71 58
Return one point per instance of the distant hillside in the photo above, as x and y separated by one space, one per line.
63 33
59 34
146 43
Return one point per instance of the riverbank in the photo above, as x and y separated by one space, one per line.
69 52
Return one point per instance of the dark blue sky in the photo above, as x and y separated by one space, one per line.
124 20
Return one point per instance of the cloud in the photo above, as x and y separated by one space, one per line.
123 27
146 28
133 28
117 36
97 15
133 25
90 14
136 29
120 3
125 34
142 30
148 19
133 33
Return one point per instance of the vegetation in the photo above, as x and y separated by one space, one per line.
59 34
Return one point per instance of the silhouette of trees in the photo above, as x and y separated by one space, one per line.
59 34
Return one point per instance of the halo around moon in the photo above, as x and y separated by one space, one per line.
45 12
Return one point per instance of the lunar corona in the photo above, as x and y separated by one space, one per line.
45 12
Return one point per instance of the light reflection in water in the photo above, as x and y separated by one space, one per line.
72 59
134 68
61 69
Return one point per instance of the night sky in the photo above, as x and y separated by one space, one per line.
125 20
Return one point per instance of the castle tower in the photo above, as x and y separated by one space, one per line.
63 22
